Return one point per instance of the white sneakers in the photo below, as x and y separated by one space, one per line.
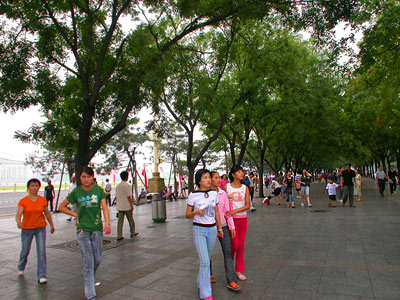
43 280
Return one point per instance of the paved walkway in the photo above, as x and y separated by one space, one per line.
319 253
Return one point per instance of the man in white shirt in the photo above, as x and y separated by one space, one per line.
123 195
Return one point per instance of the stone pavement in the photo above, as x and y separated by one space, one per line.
291 254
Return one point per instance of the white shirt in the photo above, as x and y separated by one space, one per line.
331 187
237 199
275 184
207 200
122 192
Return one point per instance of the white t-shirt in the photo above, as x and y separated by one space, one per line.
237 199
207 200
275 184
331 187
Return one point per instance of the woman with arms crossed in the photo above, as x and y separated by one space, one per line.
88 198
33 209
202 208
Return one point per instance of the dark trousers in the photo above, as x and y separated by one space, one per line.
393 186
121 216
50 202
381 183
108 198
348 192
227 251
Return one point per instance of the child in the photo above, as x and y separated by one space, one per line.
331 191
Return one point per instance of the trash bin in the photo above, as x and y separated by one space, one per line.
158 208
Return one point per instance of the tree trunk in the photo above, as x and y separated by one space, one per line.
191 177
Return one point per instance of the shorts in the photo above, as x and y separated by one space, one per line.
277 191
332 197
305 190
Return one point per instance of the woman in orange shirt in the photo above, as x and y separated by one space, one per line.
33 209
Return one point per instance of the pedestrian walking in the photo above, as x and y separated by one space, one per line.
49 194
331 189
298 186
90 200
357 185
339 182
348 180
228 228
381 178
123 195
34 211
305 182
289 182
72 186
239 201
202 208
248 181
392 174
108 188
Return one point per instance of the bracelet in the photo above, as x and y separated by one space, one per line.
220 229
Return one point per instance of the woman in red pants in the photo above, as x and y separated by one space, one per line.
239 201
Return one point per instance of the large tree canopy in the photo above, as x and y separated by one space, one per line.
75 59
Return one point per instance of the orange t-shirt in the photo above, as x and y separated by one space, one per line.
33 216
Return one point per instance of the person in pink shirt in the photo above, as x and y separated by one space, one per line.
224 181
228 228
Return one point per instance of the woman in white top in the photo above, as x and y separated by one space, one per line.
357 185
202 208
239 201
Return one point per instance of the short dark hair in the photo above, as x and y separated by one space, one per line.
33 180
212 173
124 175
87 170
348 164
233 170
199 175
107 180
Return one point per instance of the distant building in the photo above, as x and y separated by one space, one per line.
13 171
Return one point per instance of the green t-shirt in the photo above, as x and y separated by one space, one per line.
88 207
306 180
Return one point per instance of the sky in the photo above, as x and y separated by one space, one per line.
10 123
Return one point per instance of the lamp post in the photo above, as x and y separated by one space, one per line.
156 183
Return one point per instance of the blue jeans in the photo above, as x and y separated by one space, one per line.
26 241
91 244
291 195
204 240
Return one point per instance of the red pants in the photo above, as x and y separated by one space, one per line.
237 243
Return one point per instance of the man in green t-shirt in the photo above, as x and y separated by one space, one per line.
90 199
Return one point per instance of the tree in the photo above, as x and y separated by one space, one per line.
74 59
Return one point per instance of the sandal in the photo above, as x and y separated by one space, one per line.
234 287
212 279
241 277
